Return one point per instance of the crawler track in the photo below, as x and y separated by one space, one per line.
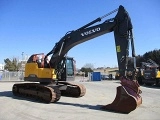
37 91
48 93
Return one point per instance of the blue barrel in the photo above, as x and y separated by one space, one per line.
96 76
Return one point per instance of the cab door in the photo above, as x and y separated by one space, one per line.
68 73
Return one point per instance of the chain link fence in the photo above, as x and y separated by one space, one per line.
12 76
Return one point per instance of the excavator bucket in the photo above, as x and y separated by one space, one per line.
127 97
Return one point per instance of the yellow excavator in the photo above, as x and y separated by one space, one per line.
50 78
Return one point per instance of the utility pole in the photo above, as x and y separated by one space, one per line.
22 55
22 63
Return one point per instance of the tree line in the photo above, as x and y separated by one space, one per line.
12 64
153 55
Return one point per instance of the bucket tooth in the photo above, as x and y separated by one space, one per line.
127 98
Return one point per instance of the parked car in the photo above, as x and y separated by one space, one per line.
104 77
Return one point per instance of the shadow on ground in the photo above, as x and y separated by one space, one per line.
10 95
6 94
144 85
93 107
151 86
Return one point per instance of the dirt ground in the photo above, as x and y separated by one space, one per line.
87 107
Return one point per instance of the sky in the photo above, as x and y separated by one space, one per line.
34 26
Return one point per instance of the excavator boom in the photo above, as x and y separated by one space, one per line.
121 26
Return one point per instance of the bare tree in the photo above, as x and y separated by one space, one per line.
89 65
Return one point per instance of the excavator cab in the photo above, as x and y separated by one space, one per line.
68 69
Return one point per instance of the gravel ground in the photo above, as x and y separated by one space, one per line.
84 108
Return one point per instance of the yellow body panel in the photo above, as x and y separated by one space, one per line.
158 74
32 69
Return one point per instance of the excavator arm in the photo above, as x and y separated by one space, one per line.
122 27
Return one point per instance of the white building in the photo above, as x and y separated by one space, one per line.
1 67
